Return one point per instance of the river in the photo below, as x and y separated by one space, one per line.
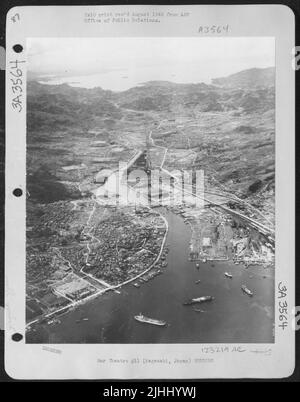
233 317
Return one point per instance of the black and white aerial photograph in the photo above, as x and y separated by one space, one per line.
150 202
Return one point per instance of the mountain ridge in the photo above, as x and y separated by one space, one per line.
251 77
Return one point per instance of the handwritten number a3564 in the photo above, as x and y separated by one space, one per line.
213 29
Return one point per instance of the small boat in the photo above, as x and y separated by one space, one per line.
136 285
197 310
53 321
81 319
201 299
197 266
247 291
204 260
198 281
141 318
228 275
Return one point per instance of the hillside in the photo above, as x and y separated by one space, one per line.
252 78
226 128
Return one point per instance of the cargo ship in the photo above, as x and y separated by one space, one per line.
247 291
201 299
141 318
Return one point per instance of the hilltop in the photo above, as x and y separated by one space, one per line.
251 78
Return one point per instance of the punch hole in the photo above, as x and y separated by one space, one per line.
17 192
17 337
18 48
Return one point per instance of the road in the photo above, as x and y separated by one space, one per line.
254 223
106 286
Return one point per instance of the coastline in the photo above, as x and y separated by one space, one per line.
162 299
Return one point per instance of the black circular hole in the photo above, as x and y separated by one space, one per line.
18 48
17 192
17 337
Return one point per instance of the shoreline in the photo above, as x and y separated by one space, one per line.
208 274
76 304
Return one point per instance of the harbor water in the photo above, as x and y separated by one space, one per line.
232 317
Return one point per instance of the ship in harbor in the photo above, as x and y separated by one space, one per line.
197 310
141 318
247 291
201 299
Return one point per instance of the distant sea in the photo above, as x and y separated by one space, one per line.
121 79
116 81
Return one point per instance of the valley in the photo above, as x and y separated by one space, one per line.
81 245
